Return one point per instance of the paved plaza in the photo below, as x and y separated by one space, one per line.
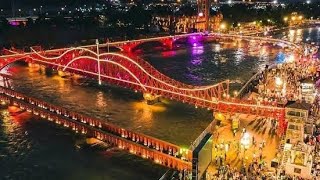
227 147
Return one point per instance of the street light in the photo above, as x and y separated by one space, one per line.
245 143
235 93
245 140
278 81
285 19
223 26
290 59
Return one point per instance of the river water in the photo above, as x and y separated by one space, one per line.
31 148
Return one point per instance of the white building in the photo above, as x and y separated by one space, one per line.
297 156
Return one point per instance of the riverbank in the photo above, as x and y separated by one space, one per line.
281 84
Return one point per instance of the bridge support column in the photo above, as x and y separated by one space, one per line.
168 43
151 99
127 48
42 69
45 70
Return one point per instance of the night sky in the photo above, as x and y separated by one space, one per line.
50 3
35 3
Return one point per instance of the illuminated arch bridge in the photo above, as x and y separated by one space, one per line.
132 72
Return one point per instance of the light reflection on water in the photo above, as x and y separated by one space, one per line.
31 148
101 101
211 63
115 105
310 35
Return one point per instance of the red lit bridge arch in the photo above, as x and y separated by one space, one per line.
132 72
166 41
136 74
128 72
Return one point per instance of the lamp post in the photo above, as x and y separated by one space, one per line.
108 45
98 57
278 81
235 93
222 27
245 143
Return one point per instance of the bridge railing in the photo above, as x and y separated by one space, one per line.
112 139
246 88
266 39
156 143
209 130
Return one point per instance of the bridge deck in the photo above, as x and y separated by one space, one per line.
145 146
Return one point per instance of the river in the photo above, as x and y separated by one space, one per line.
31 148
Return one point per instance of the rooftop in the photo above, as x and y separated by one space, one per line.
298 105
307 80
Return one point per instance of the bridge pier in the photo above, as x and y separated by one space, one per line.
168 44
46 70
151 99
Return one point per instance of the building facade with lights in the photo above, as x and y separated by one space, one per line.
296 155
186 24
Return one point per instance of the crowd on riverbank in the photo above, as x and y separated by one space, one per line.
268 89
282 84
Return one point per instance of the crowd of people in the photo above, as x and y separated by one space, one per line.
255 167
252 163
283 83
289 89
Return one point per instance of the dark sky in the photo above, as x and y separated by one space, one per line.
34 3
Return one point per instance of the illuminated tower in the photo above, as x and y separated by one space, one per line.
203 15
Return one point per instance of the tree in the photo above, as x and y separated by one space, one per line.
140 18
